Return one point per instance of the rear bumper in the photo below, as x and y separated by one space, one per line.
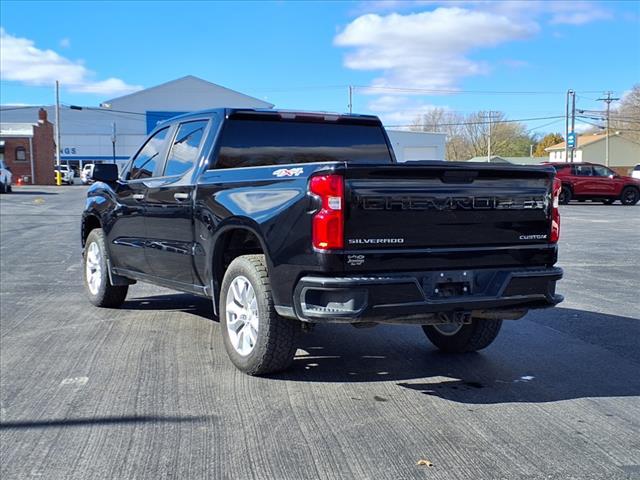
421 297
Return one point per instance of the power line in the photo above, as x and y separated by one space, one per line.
485 122
454 91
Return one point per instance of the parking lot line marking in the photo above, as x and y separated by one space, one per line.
79 381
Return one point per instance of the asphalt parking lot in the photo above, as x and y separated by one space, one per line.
146 391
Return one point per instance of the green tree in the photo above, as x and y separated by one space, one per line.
547 141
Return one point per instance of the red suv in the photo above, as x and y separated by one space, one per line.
590 181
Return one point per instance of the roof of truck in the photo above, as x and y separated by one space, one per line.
283 114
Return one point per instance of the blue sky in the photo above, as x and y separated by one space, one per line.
304 54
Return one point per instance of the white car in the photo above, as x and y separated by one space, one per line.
86 173
5 178
67 174
635 173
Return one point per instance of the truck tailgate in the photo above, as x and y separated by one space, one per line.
431 205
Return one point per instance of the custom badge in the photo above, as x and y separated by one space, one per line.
288 172
355 260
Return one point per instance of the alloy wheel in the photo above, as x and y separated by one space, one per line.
242 315
93 268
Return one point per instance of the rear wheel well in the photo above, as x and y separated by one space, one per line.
91 222
230 245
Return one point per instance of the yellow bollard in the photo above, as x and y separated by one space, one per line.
58 177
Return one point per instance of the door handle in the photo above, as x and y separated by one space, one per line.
181 196
138 196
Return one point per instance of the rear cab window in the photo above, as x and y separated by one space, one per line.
250 142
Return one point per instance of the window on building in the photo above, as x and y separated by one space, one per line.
146 160
21 154
185 148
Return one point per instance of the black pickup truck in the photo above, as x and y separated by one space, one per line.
286 219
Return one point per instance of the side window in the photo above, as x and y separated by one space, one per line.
600 171
146 160
584 170
185 148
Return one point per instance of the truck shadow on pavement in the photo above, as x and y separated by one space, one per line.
175 302
529 362
15 191
111 420
551 355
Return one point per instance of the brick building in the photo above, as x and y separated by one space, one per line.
29 150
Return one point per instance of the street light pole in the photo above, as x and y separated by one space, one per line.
113 140
58 145
566 126
573 123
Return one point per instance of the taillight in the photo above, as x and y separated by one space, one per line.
328 223
555 211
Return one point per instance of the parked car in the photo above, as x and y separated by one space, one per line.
288 219
66 172
591 181
87 173
636 171
5 178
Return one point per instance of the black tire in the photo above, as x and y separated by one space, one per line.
3 188
565 195
106 295
478 334
629 196
276 338
9 189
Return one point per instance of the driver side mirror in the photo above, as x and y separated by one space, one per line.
105 172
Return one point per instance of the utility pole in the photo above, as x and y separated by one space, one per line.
490 113
608 99
58 145
350 99
113 140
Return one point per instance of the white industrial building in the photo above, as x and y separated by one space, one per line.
410 146
87 133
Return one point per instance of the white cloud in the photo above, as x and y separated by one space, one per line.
398 110
430 48
574 12
21 61
577 13
427 50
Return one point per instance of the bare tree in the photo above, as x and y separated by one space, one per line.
626 118
467 136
